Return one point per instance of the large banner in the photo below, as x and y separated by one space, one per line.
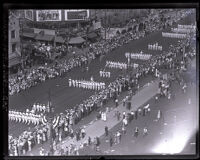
48 15
29 14
81 14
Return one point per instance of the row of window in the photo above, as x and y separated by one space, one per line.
14 47
13 34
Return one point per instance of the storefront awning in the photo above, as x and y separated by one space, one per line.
59 39
29 35
14 60
44 37
76 40
55 54
92 35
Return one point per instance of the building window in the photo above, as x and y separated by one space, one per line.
13 34
13 47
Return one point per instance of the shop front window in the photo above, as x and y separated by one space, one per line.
13 34
13 48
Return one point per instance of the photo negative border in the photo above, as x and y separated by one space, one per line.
43 5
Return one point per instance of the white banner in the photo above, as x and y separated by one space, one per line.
73 15
48 15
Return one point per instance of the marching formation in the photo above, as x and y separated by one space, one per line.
139 56
39 108
24 117
184 29
187 26
104 74
174 35
87 84
68 137
116 65
154 47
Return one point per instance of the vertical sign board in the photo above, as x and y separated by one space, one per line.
97 25
29 14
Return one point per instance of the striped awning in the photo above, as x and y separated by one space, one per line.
44 37
76 40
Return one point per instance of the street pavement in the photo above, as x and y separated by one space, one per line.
173 134
96 129
64 97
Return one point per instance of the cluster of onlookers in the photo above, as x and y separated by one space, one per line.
48 49
27 140
34 76
72 116
64 127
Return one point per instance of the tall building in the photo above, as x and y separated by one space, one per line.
14 48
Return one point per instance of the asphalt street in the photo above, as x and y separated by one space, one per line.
173 134
64 97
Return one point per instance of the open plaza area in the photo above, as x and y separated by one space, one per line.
103 82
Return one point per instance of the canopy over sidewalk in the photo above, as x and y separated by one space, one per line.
59 39
44 37
29 35
92 35
76 40
14 59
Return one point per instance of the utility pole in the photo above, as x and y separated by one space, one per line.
50 117
105 23
21 41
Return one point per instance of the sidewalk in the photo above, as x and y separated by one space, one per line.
96 128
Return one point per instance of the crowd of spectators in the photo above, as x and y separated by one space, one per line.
71 117
48 49
34 76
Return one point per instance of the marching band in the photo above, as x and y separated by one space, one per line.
87 84
24 117
139 56
154 47
173 35
104 74
116 65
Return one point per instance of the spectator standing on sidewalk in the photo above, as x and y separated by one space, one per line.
83 132
89 141
145 131
106 131
136 132
111 141
123 129
116 102
118 135
124 115
124 102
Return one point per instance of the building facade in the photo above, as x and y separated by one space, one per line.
14 36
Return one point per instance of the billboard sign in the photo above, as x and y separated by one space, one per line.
48 15
71 15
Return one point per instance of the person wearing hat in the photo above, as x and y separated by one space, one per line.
42 151
111 141
83 133
136 132
145 131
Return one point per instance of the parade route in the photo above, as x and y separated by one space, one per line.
96 129
155 99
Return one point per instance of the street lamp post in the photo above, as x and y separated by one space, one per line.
50 118
21 42
105 23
